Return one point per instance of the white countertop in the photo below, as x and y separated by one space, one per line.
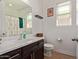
8 46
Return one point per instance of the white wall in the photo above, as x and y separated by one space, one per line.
1 18
66 33
15 13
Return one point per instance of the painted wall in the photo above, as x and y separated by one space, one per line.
66 33
2 22
16 13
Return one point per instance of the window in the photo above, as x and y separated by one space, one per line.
29 23
12 26
63 12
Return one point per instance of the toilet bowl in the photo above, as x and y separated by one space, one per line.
48 49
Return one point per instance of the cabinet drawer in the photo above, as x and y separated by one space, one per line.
10 54
33 46
14 52
29 46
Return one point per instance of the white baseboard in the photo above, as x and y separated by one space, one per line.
65 52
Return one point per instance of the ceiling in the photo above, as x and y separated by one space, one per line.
17 4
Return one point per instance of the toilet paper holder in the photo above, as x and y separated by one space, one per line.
59 39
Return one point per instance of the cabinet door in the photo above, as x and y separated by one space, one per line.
39 52
29 56
16 54
26 52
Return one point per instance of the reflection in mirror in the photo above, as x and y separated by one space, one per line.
18 16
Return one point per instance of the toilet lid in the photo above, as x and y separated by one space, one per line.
48 45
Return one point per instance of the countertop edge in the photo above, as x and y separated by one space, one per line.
17 47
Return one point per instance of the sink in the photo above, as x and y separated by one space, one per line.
7 43
18 42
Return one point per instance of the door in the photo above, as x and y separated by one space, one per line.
77 52
75 46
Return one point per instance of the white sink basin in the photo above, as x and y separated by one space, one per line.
15 42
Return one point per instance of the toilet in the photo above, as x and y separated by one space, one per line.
48 49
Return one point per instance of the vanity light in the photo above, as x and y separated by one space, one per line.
10 5
24 1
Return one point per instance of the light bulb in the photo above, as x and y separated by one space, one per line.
24 1
10 4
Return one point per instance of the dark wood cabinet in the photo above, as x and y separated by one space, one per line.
31 51
27 51
34 51
29 56
15 54
39 52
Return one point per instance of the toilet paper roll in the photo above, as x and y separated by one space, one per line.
59 39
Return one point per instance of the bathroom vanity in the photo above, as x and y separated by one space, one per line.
32 50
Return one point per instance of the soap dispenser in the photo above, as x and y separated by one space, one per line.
23 35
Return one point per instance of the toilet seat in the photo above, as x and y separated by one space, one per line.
47 45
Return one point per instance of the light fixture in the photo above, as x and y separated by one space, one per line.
24 1
10 4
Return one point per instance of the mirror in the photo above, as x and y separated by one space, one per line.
18 18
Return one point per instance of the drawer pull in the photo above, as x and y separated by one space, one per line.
14 56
